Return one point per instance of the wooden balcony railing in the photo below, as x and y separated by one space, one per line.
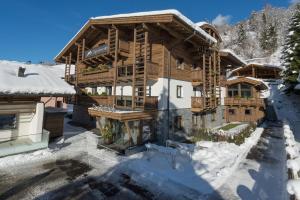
197 76
151 103
99 100
101 50
244 102
126 71
197 104
96 76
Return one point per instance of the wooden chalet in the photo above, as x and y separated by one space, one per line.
244 101
143 65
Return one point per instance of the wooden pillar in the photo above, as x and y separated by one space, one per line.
134 70
129 133
116 67
83 48
239 90
204 80
215 79
145 67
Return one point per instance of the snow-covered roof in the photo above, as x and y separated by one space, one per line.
59 70
234 55
202 23
163 12
38 80
148 13
264 65
233 80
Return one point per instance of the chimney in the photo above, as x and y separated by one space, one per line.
21 72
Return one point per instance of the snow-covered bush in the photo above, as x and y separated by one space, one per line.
293 188
218 135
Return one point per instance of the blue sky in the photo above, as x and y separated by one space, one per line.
37 30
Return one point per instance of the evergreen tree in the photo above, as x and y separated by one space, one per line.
291 49
268 37
241 35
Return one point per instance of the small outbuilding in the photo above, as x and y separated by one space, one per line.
21 109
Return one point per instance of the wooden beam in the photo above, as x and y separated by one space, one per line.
83 48
116 67
133 69
145 67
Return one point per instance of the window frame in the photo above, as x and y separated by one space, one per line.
231 113
250 111
15 122
179 90
178 123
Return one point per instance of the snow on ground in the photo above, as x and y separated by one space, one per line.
37 80
207 168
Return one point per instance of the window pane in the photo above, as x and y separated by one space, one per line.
179 91
8 121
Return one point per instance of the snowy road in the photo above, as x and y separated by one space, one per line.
262 174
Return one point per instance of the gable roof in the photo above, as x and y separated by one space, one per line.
38 81
163 16
250 80
205 25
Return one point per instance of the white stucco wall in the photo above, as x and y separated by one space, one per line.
29 121
160 89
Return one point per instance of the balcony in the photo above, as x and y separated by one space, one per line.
125 102
96 75
197 77
126 71
101 50
99 100
244 102
197 104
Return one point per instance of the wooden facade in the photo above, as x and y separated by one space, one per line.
136 50
243 102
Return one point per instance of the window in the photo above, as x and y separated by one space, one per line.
179 91
231 111
178 123
246 91
180 63
247 111
8 121
59 104
233 91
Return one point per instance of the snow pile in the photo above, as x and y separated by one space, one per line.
207 167
37 80
103 108
21 159
294 164
293 188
